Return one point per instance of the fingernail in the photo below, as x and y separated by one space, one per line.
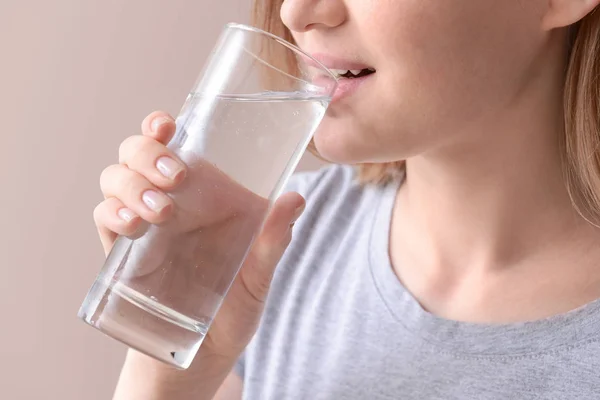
168 167
158 122
155 201
298 212
126 214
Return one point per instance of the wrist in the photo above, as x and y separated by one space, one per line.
145 378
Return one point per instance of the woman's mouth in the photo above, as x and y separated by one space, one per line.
349 73
349 81
352 73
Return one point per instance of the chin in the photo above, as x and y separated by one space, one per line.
340 141
349 148
336 148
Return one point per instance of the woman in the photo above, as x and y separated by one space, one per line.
462 261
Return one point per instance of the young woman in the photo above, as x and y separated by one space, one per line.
455 256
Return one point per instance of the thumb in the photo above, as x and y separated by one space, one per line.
270 245
277 228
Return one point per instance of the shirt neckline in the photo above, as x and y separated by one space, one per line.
573 328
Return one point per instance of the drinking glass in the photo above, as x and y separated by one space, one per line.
241 132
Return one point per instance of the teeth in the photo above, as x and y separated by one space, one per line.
339 72
355 72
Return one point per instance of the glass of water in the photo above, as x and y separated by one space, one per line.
241 132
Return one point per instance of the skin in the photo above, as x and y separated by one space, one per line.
469 93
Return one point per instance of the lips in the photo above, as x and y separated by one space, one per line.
351 75
350 86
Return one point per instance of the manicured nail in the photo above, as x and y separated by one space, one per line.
126 214
158 122
298 212
168 167
155 201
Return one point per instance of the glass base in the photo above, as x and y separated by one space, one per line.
144 324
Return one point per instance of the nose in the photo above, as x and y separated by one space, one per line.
304 15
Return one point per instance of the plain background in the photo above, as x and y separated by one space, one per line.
77 77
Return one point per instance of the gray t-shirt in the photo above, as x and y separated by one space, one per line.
339 325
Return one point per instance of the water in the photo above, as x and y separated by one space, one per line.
167 334
160 290
255 139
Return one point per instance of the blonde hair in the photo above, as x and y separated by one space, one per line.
581 140
582 118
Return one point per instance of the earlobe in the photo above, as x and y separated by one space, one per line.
562 13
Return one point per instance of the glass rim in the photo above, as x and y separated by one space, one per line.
248 28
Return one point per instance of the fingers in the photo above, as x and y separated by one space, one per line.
152 160
136 193
134 189
258 269
159 126
112 218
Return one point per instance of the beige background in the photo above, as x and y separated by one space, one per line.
77 77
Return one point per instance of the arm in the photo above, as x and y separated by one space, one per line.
231 389
208 378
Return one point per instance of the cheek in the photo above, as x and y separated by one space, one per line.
446 63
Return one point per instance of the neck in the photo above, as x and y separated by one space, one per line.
487 204
498 195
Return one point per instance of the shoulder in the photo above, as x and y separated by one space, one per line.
329 249
335 199
330 192
337 221
326 179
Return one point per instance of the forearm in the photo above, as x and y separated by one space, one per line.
143 378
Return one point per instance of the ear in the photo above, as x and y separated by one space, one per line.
562 13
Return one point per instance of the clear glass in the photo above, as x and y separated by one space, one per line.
241 131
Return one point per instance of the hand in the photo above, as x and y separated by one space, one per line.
135 194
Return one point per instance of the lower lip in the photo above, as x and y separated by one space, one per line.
348 86
345 86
